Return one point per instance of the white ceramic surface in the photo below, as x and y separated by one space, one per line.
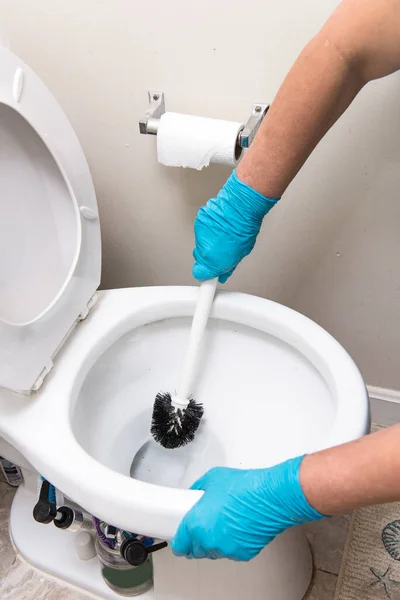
274 385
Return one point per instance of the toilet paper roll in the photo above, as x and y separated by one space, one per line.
195 142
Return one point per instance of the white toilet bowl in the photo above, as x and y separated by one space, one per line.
79 370
274 385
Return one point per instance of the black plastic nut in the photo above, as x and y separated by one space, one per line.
134 552
65 517
44 512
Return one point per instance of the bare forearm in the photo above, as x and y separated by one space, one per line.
360 42
310 100
353 475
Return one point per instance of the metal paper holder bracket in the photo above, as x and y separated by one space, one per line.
151 119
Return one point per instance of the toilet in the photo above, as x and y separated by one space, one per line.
80 368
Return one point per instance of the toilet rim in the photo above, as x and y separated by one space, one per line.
139 506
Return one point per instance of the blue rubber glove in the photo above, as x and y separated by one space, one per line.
226 229
242 511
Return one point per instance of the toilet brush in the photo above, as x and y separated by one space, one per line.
176 418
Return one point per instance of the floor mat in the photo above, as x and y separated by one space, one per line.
371 561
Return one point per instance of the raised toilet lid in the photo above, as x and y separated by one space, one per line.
50 250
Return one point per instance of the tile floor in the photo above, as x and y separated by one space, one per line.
20 582
327 539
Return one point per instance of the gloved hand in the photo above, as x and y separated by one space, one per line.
226 229
242 511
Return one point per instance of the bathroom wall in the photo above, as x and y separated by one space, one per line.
330 249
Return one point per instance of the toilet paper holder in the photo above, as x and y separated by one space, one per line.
156 108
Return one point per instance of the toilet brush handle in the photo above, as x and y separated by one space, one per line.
199 324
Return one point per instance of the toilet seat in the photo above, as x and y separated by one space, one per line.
49 227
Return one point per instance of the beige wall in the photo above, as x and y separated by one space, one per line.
331 249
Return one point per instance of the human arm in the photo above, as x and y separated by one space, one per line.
360 42
361 473
241 511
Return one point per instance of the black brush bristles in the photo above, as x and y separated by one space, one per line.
174 427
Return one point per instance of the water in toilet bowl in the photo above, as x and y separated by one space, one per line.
179 467
263 401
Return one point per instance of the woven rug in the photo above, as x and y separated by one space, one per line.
371 560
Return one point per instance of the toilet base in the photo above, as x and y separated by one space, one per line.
52 550
288 565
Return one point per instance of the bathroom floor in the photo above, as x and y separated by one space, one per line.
18 581
327 539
